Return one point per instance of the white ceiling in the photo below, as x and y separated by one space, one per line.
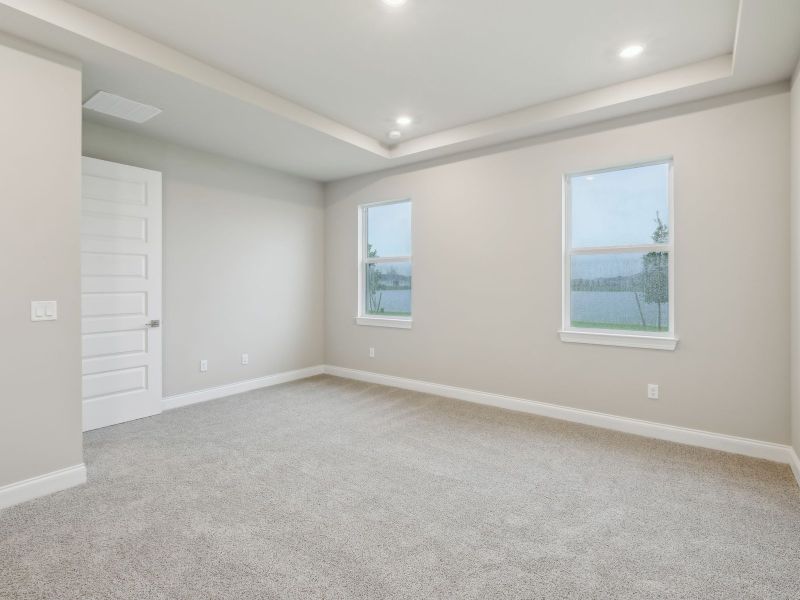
311 86
447 62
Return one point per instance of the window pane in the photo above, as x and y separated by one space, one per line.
389 229
388 289
620 291
622 207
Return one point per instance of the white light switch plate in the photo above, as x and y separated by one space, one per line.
44 310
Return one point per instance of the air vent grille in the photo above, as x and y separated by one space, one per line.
121 108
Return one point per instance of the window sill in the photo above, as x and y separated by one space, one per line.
396 322
627 340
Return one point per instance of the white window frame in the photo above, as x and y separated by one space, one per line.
363 318
666 340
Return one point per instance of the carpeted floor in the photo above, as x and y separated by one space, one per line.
329 488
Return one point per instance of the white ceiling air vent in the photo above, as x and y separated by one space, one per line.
122 108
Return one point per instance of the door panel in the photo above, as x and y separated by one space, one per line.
111 305
121 293
102 385
114 265
116 227
114 190
106 344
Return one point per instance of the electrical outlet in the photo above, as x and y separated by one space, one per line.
372 352
203 365
245 359
652 391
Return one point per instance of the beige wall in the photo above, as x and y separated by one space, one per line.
487 273
795 258
40 137
242 262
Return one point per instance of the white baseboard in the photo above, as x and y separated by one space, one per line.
49 483
794 462
220 391
682 435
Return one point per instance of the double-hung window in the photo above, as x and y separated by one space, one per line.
384 290
619 264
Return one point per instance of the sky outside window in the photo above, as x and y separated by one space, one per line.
389 229
619 208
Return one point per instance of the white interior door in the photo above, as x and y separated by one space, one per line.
121 293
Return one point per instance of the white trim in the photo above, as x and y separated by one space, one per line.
43 485
363 317
603 338
229 389
657 341
396 322
694 437
384 202
794 462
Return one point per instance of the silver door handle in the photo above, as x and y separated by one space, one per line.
154 323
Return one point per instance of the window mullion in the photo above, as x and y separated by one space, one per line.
621 249
386 259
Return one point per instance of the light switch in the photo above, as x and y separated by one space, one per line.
44 310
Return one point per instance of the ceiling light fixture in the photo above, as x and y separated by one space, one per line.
404 120
631 51
395 134
394 3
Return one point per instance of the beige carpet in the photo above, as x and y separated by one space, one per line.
328 488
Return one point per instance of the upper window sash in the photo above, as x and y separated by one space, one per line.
365 228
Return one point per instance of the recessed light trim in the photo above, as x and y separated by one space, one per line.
394 3
404 120
631 51
395 134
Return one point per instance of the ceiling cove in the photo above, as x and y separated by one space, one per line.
764 31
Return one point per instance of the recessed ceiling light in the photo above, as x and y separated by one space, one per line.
404 120
395 134
394 3
631 51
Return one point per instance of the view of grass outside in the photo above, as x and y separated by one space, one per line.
622 326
